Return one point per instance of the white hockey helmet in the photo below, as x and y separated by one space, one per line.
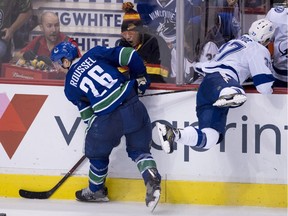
262 31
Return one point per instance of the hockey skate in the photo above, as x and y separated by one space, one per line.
231 100
86 195
167 136
153 190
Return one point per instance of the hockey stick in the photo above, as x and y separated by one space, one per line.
47 194
169 92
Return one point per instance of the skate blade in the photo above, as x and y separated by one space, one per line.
103 199
152 205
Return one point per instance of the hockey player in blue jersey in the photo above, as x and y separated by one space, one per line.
108 102
221 87
160 16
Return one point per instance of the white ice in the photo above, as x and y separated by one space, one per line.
52 207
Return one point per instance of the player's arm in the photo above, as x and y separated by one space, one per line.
137 69
260 68
126 57
82 103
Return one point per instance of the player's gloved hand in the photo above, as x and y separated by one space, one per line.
142 85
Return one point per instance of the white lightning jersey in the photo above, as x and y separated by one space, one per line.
242 58
209 50
279 17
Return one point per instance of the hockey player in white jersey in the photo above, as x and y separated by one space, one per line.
221 87
279 17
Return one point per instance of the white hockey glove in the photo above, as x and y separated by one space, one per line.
142 85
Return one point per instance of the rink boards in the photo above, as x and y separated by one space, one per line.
41 138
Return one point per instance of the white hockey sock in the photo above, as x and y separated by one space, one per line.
189 136
212 137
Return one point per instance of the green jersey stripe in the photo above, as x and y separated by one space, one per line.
111 99
125 56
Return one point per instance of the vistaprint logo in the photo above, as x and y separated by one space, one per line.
16 116
256 132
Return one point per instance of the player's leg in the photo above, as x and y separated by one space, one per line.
96 191
191 136
138 140
209 116
100 139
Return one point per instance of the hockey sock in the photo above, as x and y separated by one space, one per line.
189 136
144 162
212 137
97 174
204 139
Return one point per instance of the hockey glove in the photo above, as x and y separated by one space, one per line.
142 85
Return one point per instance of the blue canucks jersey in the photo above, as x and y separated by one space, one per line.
94 83
160 16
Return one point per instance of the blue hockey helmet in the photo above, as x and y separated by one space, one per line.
64 50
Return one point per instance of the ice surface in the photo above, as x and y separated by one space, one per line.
52 207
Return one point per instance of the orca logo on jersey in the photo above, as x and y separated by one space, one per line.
16 116
56 50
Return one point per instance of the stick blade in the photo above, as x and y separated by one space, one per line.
34 195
